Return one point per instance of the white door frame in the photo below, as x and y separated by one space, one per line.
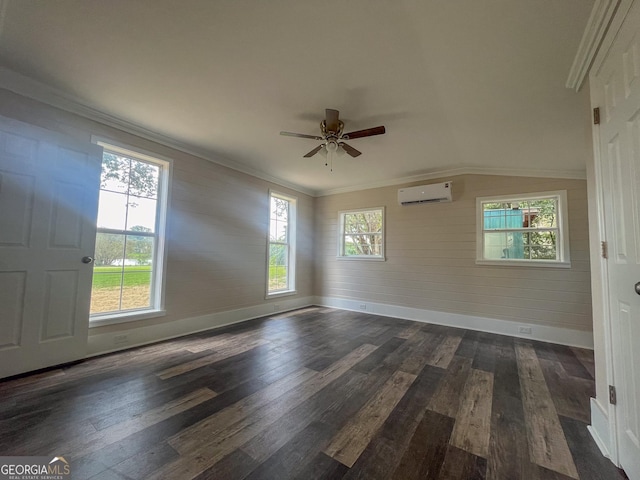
600 285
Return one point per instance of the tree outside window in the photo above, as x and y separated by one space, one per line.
362 234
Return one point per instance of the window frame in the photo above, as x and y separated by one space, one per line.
341 236
292 219
158 280
562 220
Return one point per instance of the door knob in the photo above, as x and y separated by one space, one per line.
87 259
637 287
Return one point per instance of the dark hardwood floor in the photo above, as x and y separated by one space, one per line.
315 394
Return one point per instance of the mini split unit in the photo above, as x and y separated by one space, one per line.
435 193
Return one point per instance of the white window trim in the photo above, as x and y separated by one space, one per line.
164 195
370 258
563 230
291 234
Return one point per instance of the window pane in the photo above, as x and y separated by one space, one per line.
495 245
278 267
542 245
544 213
107 273
136 287
115 173
105 291
503 217
279 209
278 227
363 244
520 245
278 255
543 252
143 179
139 250
354 223
141 216
363 222
278 231
542 238
136 284
109 249
504 245
350 246
112 210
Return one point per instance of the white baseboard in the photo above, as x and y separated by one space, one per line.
599 428
113 341
107 342
563 336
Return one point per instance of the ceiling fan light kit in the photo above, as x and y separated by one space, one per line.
333 136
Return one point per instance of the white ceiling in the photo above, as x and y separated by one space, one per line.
477 84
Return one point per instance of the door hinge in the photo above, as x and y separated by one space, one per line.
612 395
605 249
596 116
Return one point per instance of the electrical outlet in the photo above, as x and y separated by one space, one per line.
363 306
120 339
525 330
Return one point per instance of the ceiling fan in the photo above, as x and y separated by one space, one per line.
333 136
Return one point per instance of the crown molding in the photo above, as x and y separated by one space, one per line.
601 15
462 170
30 88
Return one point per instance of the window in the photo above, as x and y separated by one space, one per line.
282 245
129 253
362 234
530 229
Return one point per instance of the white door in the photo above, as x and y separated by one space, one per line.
48 205
617 89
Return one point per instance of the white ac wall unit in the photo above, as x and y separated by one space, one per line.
434 193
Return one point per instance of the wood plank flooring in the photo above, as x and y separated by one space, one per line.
316 393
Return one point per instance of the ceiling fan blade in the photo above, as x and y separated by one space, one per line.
313 152
367 132
301 135
331 119
350 150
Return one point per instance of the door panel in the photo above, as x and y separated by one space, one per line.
16 203
66 219
12 288
59 313
48 202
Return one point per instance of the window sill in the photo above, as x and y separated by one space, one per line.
282 293
524 263
115 318
365 258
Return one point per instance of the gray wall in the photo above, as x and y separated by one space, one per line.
431 252
216 226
